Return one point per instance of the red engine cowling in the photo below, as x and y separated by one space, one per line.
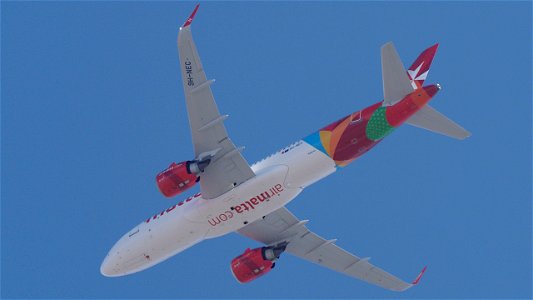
250 265
176 179
255 263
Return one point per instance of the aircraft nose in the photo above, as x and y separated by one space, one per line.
109 267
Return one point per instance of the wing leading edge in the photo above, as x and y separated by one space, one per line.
281 225
228 168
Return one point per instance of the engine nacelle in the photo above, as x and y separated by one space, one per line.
176 179
254 263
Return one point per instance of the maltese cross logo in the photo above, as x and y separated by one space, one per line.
414 76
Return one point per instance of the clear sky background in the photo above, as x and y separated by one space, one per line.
93 108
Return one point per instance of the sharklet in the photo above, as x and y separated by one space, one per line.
325 243
213 123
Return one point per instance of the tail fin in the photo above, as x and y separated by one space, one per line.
396 83
419 69
432 120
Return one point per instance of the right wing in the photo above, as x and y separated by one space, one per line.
281 225
227 168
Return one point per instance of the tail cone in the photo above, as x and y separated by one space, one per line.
431 90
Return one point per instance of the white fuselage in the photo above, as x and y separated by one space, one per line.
279 179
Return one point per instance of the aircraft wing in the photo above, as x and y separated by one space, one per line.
227 168
281 225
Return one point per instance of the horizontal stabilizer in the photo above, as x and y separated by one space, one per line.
432 120
396 83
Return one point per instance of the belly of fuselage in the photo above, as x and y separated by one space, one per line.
183 225
253 199
279 179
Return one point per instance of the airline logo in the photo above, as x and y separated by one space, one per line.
257 200
419 70
248 205
414 75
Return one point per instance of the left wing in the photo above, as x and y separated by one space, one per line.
227 167
281 225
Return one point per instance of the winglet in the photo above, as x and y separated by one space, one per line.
189 20
417 279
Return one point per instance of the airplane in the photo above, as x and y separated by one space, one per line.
251 200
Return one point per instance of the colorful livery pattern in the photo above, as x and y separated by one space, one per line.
251 200
419 70
350 137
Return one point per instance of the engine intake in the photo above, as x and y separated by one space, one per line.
254 263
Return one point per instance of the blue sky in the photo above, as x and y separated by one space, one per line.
93 108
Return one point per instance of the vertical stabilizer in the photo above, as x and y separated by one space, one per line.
419 70
396 83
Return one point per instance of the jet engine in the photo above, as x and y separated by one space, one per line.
178 178
255 263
